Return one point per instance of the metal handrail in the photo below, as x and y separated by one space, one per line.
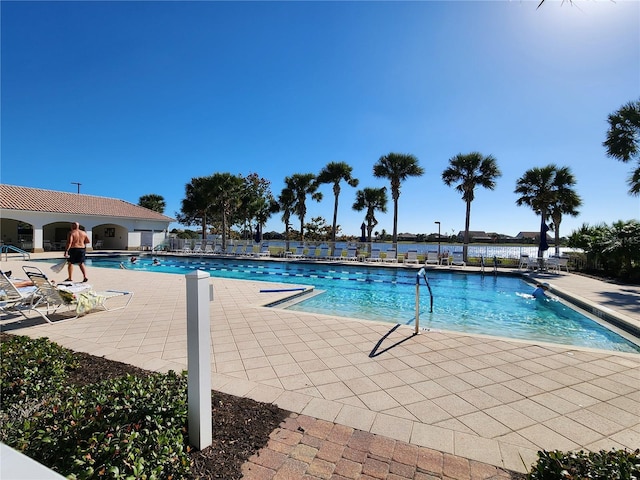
421 273
7 248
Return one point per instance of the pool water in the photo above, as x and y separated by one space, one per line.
464 302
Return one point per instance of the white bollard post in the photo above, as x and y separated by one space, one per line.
199 359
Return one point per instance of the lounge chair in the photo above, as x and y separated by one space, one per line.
352 254
556 264
187 248
324 254
411 257
264 251
375 256
48 298
391 256
198 248
208 249
299 253
524 261
432 258
13 298
458 259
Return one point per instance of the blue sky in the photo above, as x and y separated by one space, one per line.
134 98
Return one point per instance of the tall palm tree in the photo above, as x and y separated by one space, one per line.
371 199
470 170
536 190
623 140
285 204
196 207
301 185
567 201
153 202
335 172
397 167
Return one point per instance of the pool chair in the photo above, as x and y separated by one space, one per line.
458 259
391 256
411 257
12 298
48 298
432 258
198 248
556 264
325 253
352 254
187 248
375 256
524 261
208 249
264 251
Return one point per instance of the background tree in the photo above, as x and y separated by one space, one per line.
335 172
622 140
301 185
566 203
257 203
286 201
153 202
197 205
371 199
397 167
536 190
470 170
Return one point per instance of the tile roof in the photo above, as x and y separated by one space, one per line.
39 200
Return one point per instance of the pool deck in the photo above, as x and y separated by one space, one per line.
370 400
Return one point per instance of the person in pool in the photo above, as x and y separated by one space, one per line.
541 291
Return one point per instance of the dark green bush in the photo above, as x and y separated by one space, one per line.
602 465
32 368
130 427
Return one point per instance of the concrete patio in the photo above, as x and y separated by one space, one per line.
474 400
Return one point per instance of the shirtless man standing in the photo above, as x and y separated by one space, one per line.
76 249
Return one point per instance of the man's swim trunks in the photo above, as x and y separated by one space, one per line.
77 255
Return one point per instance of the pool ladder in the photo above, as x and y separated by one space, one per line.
421 273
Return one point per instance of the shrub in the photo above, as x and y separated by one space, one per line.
602 465
129 427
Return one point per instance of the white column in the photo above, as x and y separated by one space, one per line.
199 359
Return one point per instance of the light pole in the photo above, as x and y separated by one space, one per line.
438 238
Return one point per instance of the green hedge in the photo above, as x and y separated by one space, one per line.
130 427
602 465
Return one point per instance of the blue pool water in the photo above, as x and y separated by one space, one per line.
464 302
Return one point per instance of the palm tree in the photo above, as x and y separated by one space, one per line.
371 199
536 190
397 167
471 170
286 201
302 184
623 140
153 202
567 201
334 172
196 208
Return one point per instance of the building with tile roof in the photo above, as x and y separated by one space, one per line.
35 219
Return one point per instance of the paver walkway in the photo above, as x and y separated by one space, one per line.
483 402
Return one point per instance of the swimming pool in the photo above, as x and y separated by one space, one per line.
464 302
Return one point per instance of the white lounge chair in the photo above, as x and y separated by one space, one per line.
432 258
391 256
352 254
14 299
458 259
208 249
556 264
524 261
186 248
48 298
375 256
411 257
264 251
198 248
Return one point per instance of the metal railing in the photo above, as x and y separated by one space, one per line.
421 273
10 248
